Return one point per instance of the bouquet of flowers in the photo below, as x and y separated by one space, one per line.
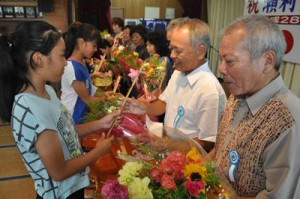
154 73
126 59
130 124
107 69
106 35
97 110
171 166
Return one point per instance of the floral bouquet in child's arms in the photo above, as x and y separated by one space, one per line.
107 70
126 59
153 75
130 123
168 167
97 110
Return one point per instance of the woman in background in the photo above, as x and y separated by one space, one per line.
126 38
117 24
139 37
158 44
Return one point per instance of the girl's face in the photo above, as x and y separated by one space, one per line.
150 48
89 48
137 39
55 62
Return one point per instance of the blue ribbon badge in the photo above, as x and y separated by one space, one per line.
234 158
180 113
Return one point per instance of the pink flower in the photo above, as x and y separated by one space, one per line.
194 187
167 182
113 190
155 174
139 61
133 73
179 176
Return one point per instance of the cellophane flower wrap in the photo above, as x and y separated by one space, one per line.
170 166
126 59
153 74
130 124
108 70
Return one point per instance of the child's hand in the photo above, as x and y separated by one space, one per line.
104 144
108 119
97 74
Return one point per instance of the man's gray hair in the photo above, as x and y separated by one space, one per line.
199 30
262 34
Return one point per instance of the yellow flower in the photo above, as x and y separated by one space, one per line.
150 71
193 155
194 171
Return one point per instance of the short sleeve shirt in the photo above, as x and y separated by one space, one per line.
31 115
75 105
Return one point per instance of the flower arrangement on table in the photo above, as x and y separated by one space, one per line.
126 59
153 75
167 168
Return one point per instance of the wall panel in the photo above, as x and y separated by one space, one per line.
59 18
134 9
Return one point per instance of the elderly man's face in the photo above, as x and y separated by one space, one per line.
241 75
185 57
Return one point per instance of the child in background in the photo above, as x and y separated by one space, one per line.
42 127
77 89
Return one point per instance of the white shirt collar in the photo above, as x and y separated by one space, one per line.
193 76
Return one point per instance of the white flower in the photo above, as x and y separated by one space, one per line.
111 109
121 47
161 68
107 36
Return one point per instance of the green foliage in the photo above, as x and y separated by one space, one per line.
211 177
97 110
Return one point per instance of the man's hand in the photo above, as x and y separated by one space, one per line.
135 106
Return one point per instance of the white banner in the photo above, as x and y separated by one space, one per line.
286 13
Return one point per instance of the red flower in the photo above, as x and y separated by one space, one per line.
174 163
179 176
167 182
155 174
